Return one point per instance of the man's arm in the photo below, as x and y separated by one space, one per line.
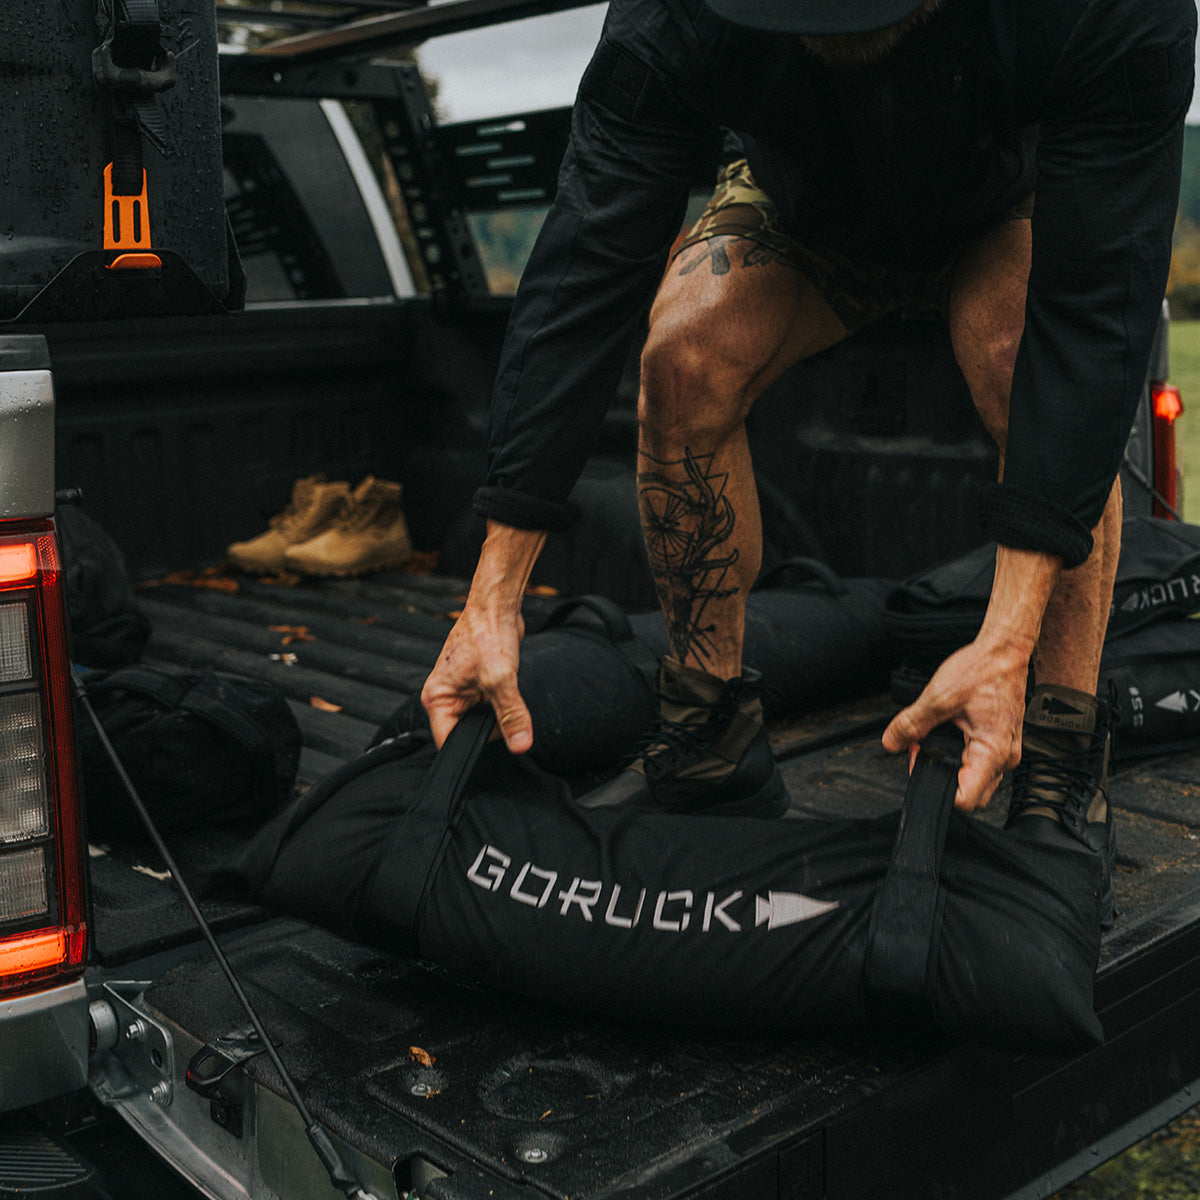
1110 119
1108 177
479 660
981 688
582 298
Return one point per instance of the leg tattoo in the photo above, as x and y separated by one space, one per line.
713 250
688 521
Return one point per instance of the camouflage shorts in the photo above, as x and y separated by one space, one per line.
858 293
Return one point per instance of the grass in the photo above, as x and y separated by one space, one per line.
1185 374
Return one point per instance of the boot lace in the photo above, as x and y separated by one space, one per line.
1064 782
668 746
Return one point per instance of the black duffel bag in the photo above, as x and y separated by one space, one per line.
203 748
937 611
1158 575
108 629
927 919
1153 676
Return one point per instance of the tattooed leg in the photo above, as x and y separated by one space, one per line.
717 338
702 538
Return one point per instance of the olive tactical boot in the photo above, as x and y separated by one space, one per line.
1060 788
368 534
708 752
314 505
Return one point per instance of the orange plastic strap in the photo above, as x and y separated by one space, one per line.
127 226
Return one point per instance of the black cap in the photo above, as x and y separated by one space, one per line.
815 16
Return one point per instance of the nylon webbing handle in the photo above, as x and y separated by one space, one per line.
131 65
905 915
423 834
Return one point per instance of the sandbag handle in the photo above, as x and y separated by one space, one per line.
819 571
612 616
900 960
422 836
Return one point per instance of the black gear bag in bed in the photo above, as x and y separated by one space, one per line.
928 918
1151 659
933 613
111 177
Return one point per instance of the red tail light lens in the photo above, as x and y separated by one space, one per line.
43 931
1168 405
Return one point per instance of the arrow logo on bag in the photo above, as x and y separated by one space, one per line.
786 908
1175 702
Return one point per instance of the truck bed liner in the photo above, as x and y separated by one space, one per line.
526 1099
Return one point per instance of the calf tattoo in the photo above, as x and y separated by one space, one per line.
688 521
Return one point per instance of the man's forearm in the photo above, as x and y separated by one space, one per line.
505 565
1024 582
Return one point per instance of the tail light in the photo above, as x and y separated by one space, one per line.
43 931
1167 406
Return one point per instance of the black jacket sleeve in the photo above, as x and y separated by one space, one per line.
1107 189
595 266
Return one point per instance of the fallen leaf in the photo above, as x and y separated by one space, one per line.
282 579
421 1056
545 1114
293 633
373 619
210 578
453 614
324 705
423 562
287 658
541 589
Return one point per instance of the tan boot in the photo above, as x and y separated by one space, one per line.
314 506
368 535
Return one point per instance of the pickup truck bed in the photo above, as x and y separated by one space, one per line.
525 1100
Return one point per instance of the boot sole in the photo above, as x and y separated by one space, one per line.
326 572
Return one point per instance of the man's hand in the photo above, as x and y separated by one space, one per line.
981 688
479 662
479 659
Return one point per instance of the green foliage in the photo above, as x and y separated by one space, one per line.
1183 286
1165 1166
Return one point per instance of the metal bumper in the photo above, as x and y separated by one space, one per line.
43 1045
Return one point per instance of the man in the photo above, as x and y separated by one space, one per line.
1013 163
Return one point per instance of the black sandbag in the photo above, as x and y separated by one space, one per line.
1154 674
937 611
589 675
496 874
204 749
108 629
